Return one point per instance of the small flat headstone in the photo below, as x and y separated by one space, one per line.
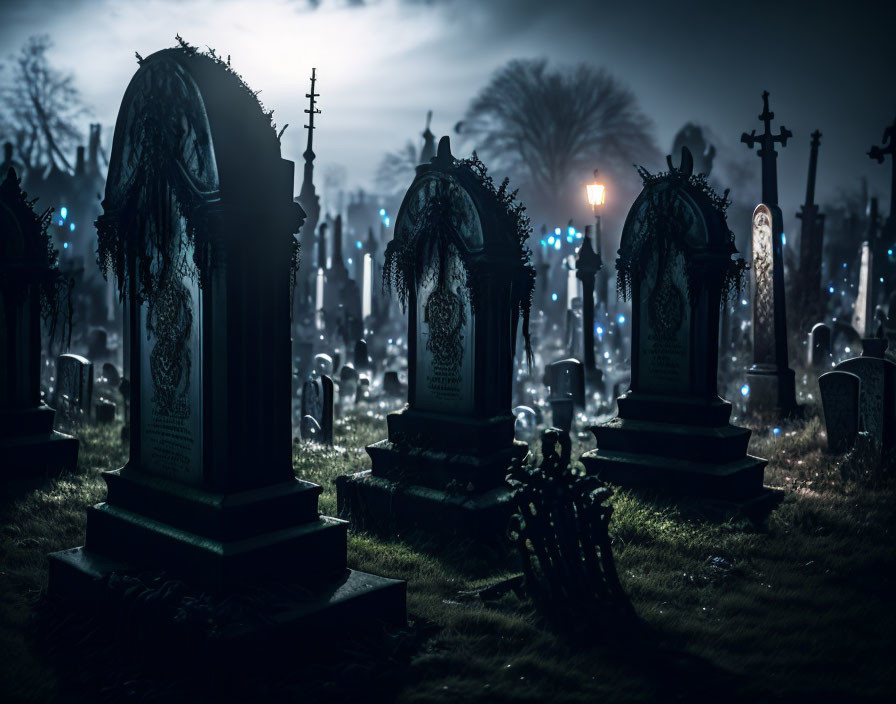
105 411
820 346
392 385
566 378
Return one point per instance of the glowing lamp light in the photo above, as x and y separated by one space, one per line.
830 289
557 244
776 431
63 212
596 194
65 245
382 212
71 227
890 252
386 221
621 319
783 239
844 265
60 223
551 239
349 261
745 390
599 330
358 244
570 231
553 296
556 230
543 243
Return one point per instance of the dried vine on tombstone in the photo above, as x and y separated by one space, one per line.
437 224
561 529
664 230
158 195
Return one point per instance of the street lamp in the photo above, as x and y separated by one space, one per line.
597 196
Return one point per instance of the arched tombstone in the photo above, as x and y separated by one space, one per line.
198 227
820 346
459 263
28 274
672 431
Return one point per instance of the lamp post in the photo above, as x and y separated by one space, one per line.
587 265
597 195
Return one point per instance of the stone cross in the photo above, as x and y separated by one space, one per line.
767 153
811 237
882 244
888 149
309 201
772 382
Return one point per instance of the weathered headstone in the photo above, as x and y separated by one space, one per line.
105 411
526 423
392 385
209 493
840 393
672 431
348 383
820 346
28 279
771 380
323 365
112 375
877 397
361 356
98 345
317 403
566 379
74 386
458 261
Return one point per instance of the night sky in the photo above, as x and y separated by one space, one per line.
383 64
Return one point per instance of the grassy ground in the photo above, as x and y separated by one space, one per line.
799 609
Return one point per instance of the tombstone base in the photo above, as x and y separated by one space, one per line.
274 619
772 392
31 448
704 461
390 508
214 541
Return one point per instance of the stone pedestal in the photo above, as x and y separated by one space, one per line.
31 448
772 391
676 446
443 477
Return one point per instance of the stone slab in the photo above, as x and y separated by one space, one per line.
32 456
391 509
726 443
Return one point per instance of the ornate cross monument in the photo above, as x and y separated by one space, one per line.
673 432
428 151
459 263
198 228
310 202
30 283
771 380
811 240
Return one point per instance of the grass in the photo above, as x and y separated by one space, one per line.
800 608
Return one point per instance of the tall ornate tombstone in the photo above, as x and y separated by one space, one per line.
863 313
29 283
198 227
459 263
672 432
771 380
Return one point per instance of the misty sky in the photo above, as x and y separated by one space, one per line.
382 64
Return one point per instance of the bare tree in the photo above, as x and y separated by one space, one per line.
396 170
548 128
41 106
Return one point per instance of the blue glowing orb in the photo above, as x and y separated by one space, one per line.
621 319
745 390
553 296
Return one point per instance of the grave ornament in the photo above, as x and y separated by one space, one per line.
459 264
675 264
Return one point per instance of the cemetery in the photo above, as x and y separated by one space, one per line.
569 399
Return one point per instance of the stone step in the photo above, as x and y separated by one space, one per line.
739 479
726 443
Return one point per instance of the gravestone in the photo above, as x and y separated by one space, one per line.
110 371
772 382
317 403
348 383
28 279
209 494
820 346
98 344
105 411
362 393
392 385
526 424
877 397
323 365
863 315
74 386
840 394
459 263
672 432
566 379
361 357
